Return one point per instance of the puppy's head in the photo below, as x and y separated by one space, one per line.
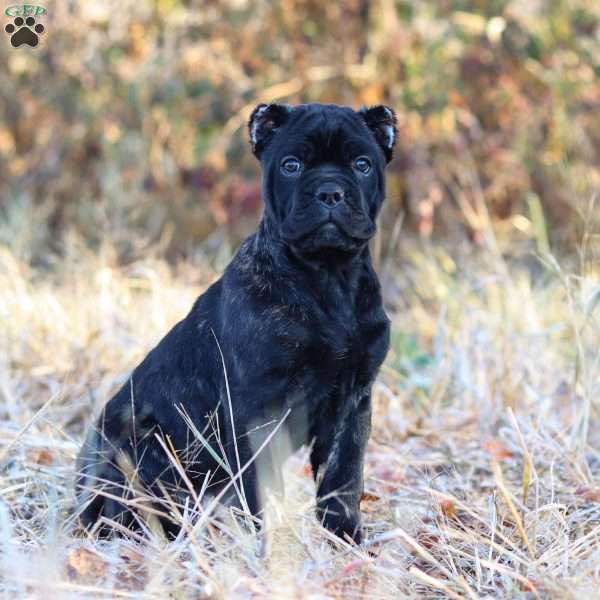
323 172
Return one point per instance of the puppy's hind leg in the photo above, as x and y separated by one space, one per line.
100 486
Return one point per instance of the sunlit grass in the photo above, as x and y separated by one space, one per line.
481 474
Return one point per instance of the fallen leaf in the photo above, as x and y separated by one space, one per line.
530 585
84 564
590 494
448 508
350 569
42 457
370 497
497 450
368 500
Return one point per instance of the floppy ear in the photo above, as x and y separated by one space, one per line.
264 121
381 120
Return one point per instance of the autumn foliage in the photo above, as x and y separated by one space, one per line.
131 117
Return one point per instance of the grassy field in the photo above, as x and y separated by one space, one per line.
482 470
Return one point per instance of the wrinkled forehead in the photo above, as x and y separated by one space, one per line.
326 132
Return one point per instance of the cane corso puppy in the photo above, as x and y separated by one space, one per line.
285 345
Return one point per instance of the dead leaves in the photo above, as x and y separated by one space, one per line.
42 456
369 501
84 565
369 497
497 450
588 493
448 508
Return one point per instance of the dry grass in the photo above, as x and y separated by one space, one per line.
482 471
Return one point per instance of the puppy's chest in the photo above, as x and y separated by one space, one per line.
342 347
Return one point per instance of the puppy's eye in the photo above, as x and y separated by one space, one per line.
290 165
362 164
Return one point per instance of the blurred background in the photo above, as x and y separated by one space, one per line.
128 122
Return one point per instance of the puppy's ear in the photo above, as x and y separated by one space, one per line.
381 120
264 121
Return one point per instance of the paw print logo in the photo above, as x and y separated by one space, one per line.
24 31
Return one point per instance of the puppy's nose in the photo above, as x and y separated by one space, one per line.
330 193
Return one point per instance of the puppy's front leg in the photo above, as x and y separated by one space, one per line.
337 461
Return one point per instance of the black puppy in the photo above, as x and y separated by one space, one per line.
285 345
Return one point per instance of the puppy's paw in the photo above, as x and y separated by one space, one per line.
345 526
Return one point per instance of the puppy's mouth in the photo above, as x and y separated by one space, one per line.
343 221
330 232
